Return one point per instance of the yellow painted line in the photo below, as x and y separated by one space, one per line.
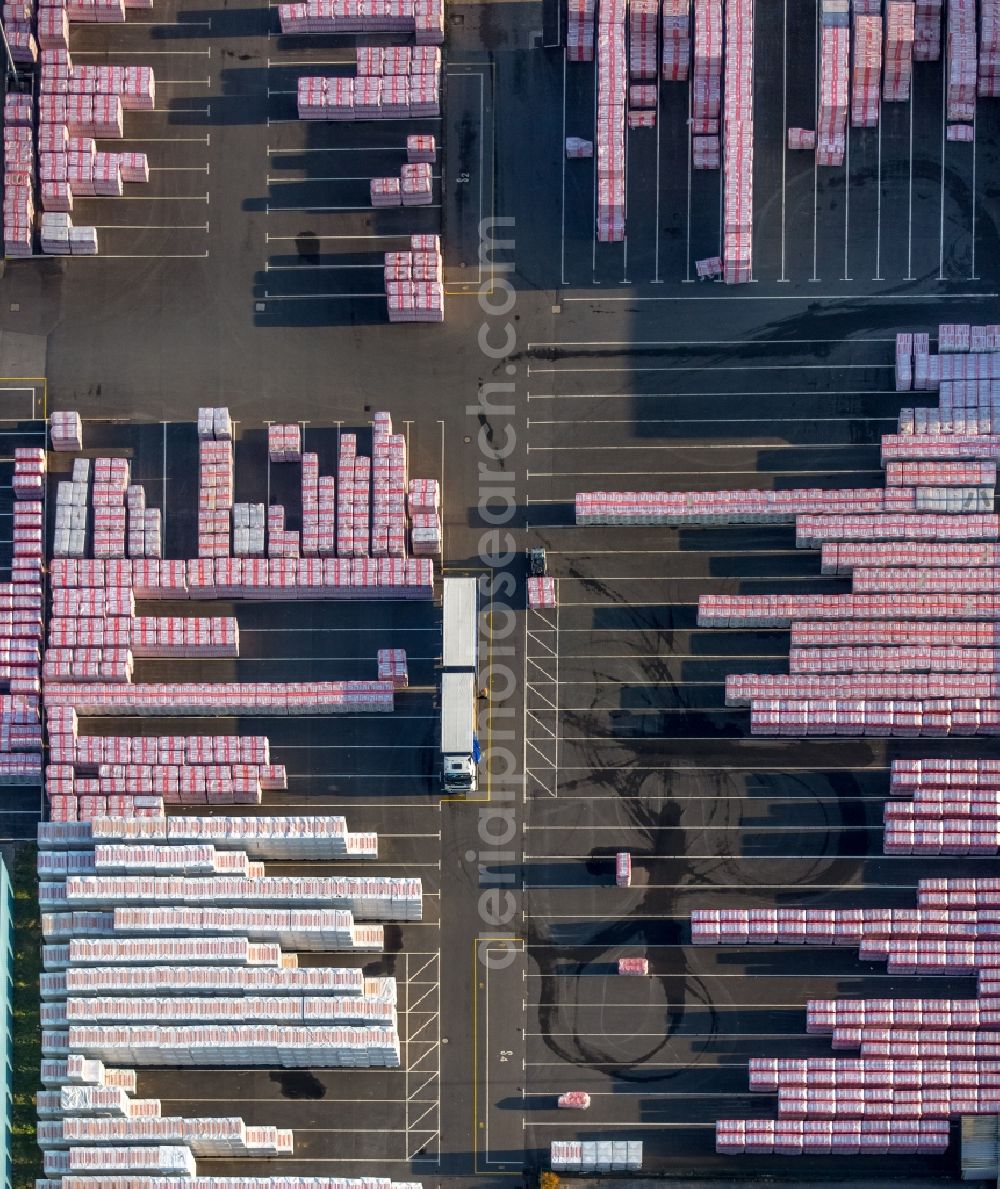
32 380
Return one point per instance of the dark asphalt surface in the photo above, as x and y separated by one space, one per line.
229 282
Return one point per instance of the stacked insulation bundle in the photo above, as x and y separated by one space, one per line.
960 61
612 88
284 443
414 282
951 806
388 479
65 431
70 537
384 192
111 481
421 147
989 49
135 776
21 635
215 481
866 71
423 18
281 541
922 557
927 30
415 184
706 84
19 176
17 31
423 502
248 530
149 951
899 38
676 53
580 30
394 82
392 667
737 180
541 593
77 105
643 18
834 83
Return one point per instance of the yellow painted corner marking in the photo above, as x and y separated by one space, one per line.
32 380
476 1124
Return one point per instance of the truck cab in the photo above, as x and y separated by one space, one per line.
459 774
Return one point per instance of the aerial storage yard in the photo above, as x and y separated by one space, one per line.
499 599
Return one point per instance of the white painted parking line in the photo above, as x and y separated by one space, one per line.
878 208
320 296
732 295
755 445
273 239
695 344
143 53
148 198
784 126
593 222
816 49
310 149
909 219
205 140
706 367
562 205
142 256
631 396
944 142
972 264
311 208
285 181
268 267
151 226
847 197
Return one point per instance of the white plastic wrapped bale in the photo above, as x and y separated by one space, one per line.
65 431
239 952
214 980
280 1009
541 593
245 1182
866 71
960 66
284 442
643 17
596 1156
167 1160
579 149
580 30
899 37
205 1136
421 147
366 897
612 84
737 179
294 928
263 837
927 30
426 538
676 52
384 192
315 1047
831 135
416 185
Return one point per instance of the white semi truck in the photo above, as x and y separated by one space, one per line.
460 687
